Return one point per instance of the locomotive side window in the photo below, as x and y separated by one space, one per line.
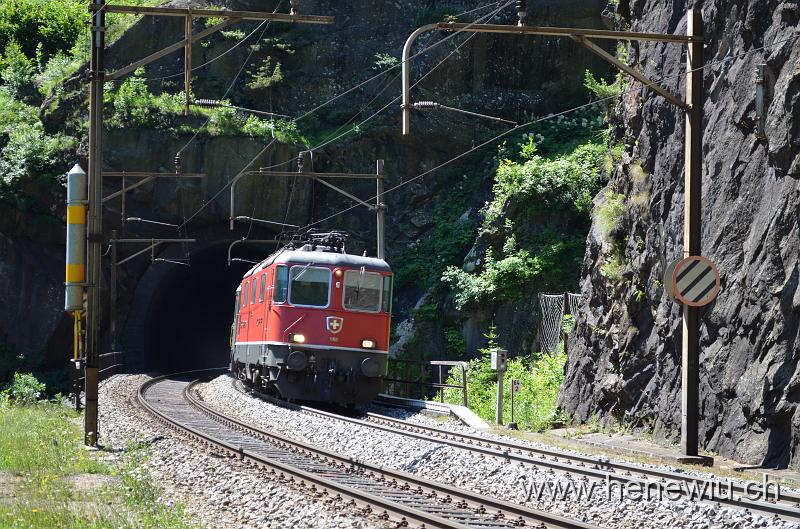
387 294
253 291
263 287
362 290
281 284
246 290
310 287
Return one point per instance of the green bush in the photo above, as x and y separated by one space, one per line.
28 153
455 345
286 132
569 180
17 68
446 243
601 88
609 214
25 389
562 134
266 75
51 25
549 263
534 405
55 71
384 61
133 105
225 121
14 114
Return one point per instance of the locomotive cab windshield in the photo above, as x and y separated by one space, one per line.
362 290
310 286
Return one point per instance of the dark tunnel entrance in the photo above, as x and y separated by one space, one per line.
188 323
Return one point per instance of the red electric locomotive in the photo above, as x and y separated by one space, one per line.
313 323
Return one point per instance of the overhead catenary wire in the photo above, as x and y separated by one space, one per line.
433 105
208 62
419 53
335 98
425 76
540 120
264 25
247 37
424 50
395 99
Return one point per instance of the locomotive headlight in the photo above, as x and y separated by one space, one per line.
297 338
368 344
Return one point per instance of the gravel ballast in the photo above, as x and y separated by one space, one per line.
218 492
475 472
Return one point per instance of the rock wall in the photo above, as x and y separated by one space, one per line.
33 330
625 355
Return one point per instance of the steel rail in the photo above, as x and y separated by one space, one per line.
470 500
790 507
306 479
459 509
592 467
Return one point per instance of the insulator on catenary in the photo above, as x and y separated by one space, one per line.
522 10
424 105
206 102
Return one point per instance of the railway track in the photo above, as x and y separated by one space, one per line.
787 507
392 495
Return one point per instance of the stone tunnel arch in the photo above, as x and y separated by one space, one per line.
180 316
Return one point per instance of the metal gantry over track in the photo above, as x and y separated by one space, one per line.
97 78
692 105
304 161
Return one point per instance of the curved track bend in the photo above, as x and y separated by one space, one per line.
395 495
597 468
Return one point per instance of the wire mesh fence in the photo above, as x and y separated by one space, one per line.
551 318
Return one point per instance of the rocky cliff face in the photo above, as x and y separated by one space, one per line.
625 358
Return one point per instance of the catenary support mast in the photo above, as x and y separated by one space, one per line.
692 106
97 79
95 225
692 233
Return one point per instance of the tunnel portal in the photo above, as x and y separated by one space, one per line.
181 316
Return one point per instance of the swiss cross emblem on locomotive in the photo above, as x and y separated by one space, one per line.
335 324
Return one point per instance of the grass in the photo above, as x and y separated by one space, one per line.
49 480
40 441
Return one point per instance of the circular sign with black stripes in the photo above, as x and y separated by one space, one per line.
694 281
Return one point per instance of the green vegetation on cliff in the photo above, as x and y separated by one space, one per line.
28 154
42 45
132 104
534 226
